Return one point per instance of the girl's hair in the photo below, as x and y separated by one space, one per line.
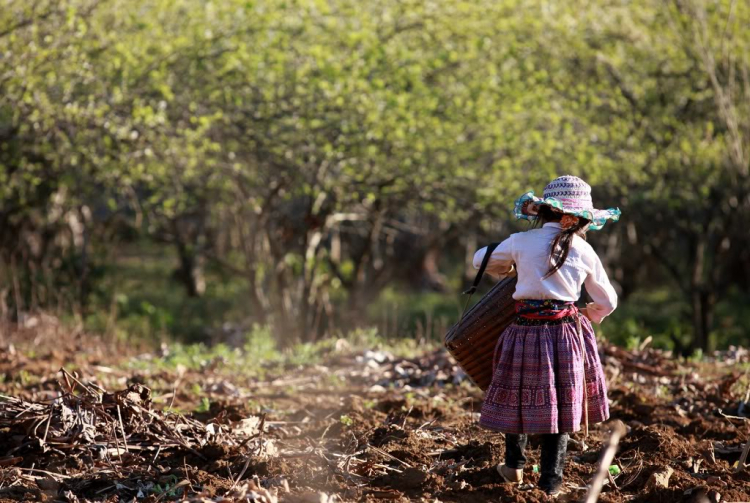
561 245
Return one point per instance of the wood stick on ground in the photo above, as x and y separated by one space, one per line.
122 430
389 456
158 450
743 458
746 449
618 431
733 418
75 379
46 428
239 477
117 443
54 475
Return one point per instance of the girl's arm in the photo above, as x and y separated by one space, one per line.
601 292
501 260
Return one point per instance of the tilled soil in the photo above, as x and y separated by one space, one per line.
368 426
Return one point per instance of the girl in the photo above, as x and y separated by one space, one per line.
542 359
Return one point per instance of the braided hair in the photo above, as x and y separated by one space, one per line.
560 247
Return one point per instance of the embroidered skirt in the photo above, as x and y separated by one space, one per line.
537 382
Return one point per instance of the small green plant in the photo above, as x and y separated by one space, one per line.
167 489
633 342
697 356
409 399
24 377
204 406
346 420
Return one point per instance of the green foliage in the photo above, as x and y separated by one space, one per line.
665 316
297 158
139 299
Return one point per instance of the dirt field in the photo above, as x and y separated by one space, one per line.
355 426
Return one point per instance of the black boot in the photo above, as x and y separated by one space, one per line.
554 447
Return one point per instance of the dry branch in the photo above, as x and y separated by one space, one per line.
743 458
618 431
118 430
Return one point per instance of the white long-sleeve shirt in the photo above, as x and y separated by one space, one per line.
529 251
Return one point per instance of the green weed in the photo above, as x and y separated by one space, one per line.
346 420
204 406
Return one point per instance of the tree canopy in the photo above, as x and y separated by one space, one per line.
322 150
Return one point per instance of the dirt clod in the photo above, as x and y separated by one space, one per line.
659 479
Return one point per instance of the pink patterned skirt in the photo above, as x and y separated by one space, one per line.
537 385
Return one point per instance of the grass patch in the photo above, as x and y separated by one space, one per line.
260 355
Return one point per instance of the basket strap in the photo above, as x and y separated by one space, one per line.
585 385
473 288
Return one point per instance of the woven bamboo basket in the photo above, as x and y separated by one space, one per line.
472 340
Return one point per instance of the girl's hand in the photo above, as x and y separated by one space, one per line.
585 312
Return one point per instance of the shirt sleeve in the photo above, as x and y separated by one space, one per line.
601 292
500 264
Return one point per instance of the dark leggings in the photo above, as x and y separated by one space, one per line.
554 446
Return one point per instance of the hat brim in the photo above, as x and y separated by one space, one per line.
527 208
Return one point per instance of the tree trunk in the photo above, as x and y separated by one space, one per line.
701 298
283 318
357 291
190 271
247 242
431 278
256 303
703 311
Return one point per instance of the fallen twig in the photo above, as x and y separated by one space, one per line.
743 457
389 456
735 418
618 431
